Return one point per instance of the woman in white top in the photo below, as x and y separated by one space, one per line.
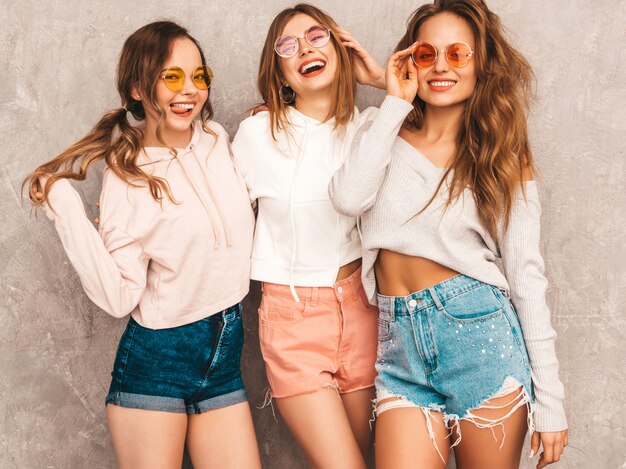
317 329
442 180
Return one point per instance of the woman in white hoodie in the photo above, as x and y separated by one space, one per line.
172 250
318 332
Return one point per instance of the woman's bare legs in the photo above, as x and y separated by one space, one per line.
403 442
223 438
479 449
321 426
358 407
149 439
146 438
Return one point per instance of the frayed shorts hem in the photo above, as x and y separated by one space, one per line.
173 404
451 420
318 387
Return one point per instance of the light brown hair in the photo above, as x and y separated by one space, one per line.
271 78
493 150
113 139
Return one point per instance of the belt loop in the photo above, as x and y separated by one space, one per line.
314 296
435 297
394 301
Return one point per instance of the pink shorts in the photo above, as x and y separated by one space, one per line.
328 339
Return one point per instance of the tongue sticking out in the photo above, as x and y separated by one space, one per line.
181 109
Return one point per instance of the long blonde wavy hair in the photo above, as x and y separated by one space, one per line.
113 139
270 78
494 154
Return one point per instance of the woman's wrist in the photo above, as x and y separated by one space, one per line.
381 83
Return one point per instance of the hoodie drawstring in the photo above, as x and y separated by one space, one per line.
218 221
229 239
292 287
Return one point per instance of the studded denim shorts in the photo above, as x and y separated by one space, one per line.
450 348
189 369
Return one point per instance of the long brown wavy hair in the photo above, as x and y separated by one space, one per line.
271 77
113 139
494 154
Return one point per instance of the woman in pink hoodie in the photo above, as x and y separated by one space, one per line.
173 250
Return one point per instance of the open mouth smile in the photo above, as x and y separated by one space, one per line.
441 85
312 68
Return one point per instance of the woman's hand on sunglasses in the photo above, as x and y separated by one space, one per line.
366 70
401 75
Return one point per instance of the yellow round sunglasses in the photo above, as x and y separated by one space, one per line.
174 78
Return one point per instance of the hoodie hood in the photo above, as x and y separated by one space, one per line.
152 155
193 162
290 141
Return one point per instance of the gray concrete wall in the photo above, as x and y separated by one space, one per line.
58 64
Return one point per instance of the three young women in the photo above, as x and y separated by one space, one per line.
441 177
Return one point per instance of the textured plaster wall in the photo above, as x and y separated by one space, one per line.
58 63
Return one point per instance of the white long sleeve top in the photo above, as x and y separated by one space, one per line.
300 239
167 264
386 182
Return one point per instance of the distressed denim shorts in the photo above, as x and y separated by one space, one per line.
450 348
187 369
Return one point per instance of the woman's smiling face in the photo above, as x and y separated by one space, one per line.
181 107
441 84
311 70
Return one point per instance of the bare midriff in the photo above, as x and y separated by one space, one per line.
398 274
346 270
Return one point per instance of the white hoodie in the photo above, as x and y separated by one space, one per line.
300 239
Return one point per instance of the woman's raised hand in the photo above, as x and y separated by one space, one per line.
401 75
366 70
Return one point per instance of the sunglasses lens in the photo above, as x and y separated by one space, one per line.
459 54
424 55
174 78
317 36
286 46
202 77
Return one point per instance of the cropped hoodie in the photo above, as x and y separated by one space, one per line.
168 263
300 239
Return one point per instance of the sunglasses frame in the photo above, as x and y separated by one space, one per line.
176 67
297 39
445 54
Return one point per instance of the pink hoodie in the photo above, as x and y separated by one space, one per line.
167 264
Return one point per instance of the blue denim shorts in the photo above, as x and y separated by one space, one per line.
187 369
450 348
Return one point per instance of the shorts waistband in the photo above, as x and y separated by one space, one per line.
347 286
428 297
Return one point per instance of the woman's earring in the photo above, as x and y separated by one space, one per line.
286 94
